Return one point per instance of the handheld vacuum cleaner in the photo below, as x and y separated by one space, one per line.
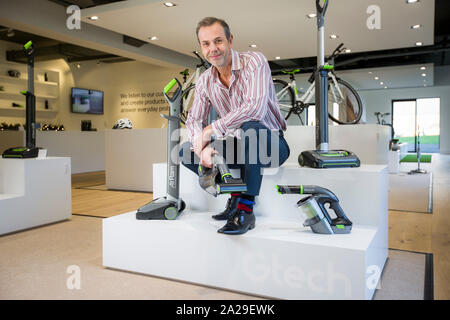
314 212
30 150
168 207
218 179
323 157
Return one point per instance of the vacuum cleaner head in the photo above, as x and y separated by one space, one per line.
328 159
218 179
21 153
160 209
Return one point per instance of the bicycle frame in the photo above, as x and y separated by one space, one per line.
191 81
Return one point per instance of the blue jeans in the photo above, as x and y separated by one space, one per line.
258 148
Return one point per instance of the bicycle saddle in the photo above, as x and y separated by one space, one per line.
293 71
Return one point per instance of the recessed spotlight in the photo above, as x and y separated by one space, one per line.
277 58
78 66
334 36
416 26
169 4
94 18
348 50
423 68
370 72
252 46
419 44
411 1
424 74
381 83
376 78
385 87
153 38
311 15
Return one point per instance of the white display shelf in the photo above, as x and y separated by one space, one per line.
25 81
13 95
23 109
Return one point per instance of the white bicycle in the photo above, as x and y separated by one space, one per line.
344 103
189 86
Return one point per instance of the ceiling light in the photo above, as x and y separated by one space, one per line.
370 72
424 74
253 46
278 58
376 78
348 50
78 66
385 87
419 44
169 4
153 38
381 83
334 36
411 1
311 15
94 18
416 26
423 68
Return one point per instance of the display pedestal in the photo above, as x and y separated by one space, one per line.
279 258
34 192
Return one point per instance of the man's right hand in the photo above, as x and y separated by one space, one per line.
206 156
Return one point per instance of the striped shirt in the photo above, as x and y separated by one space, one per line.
250 97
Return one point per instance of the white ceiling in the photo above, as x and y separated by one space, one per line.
409 76
277 27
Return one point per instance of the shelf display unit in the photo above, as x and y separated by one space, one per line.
47 92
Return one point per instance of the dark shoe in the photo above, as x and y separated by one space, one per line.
229 210
239 223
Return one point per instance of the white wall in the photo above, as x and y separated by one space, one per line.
111 78
381 100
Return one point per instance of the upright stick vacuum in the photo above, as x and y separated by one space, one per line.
30 150
419 155
323 157
168 207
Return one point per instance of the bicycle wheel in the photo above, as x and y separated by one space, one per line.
186 102
345 108
285 96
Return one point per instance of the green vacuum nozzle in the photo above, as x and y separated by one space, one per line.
170 86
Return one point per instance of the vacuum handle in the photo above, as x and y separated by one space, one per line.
340 214
321 8
169 87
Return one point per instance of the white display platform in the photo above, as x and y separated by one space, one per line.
279 258
85 148
34 192
370 142
130 155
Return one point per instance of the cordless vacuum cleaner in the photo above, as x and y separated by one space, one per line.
30 150
323 157
419 155
168 207
312 209
218 179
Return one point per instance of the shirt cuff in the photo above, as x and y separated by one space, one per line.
219 132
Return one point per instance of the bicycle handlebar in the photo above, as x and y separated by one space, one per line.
203 62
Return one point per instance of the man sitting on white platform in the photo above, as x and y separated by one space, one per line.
240 87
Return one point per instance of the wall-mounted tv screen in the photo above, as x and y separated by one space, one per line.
87 101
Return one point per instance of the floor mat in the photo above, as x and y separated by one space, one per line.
425 158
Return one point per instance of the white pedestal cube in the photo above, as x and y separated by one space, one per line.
34 192
279 258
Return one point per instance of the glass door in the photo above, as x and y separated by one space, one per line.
417 120
404 122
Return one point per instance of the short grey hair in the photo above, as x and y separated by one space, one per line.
209 21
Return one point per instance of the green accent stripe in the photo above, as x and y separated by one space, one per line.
28 45
24 92
301 189
328 67
170 86
226 175
340 226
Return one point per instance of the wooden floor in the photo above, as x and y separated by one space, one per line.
410 231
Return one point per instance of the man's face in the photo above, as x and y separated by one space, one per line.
215 46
